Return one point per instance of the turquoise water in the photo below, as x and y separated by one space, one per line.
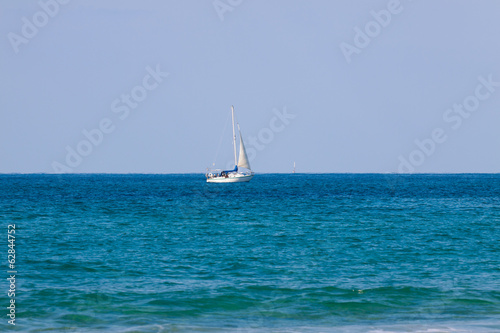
283 253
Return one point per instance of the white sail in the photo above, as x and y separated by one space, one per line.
243 160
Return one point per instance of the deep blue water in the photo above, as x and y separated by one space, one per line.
283 253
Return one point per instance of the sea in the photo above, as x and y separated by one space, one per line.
283 253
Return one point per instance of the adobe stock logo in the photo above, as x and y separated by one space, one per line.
453 116
372 29
30 28
223 6
266 135
121 107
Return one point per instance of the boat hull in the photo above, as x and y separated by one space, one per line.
231 179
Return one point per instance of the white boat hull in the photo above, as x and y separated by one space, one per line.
230 179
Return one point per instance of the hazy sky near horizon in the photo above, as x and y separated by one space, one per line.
336 86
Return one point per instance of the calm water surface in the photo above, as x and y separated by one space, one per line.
283 253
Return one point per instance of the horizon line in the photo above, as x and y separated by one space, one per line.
257 173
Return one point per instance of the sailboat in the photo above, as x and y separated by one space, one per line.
241 172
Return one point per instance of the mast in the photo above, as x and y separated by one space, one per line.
234 137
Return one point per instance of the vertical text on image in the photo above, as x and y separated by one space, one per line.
11 258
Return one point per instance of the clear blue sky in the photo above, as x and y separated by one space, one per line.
70 67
